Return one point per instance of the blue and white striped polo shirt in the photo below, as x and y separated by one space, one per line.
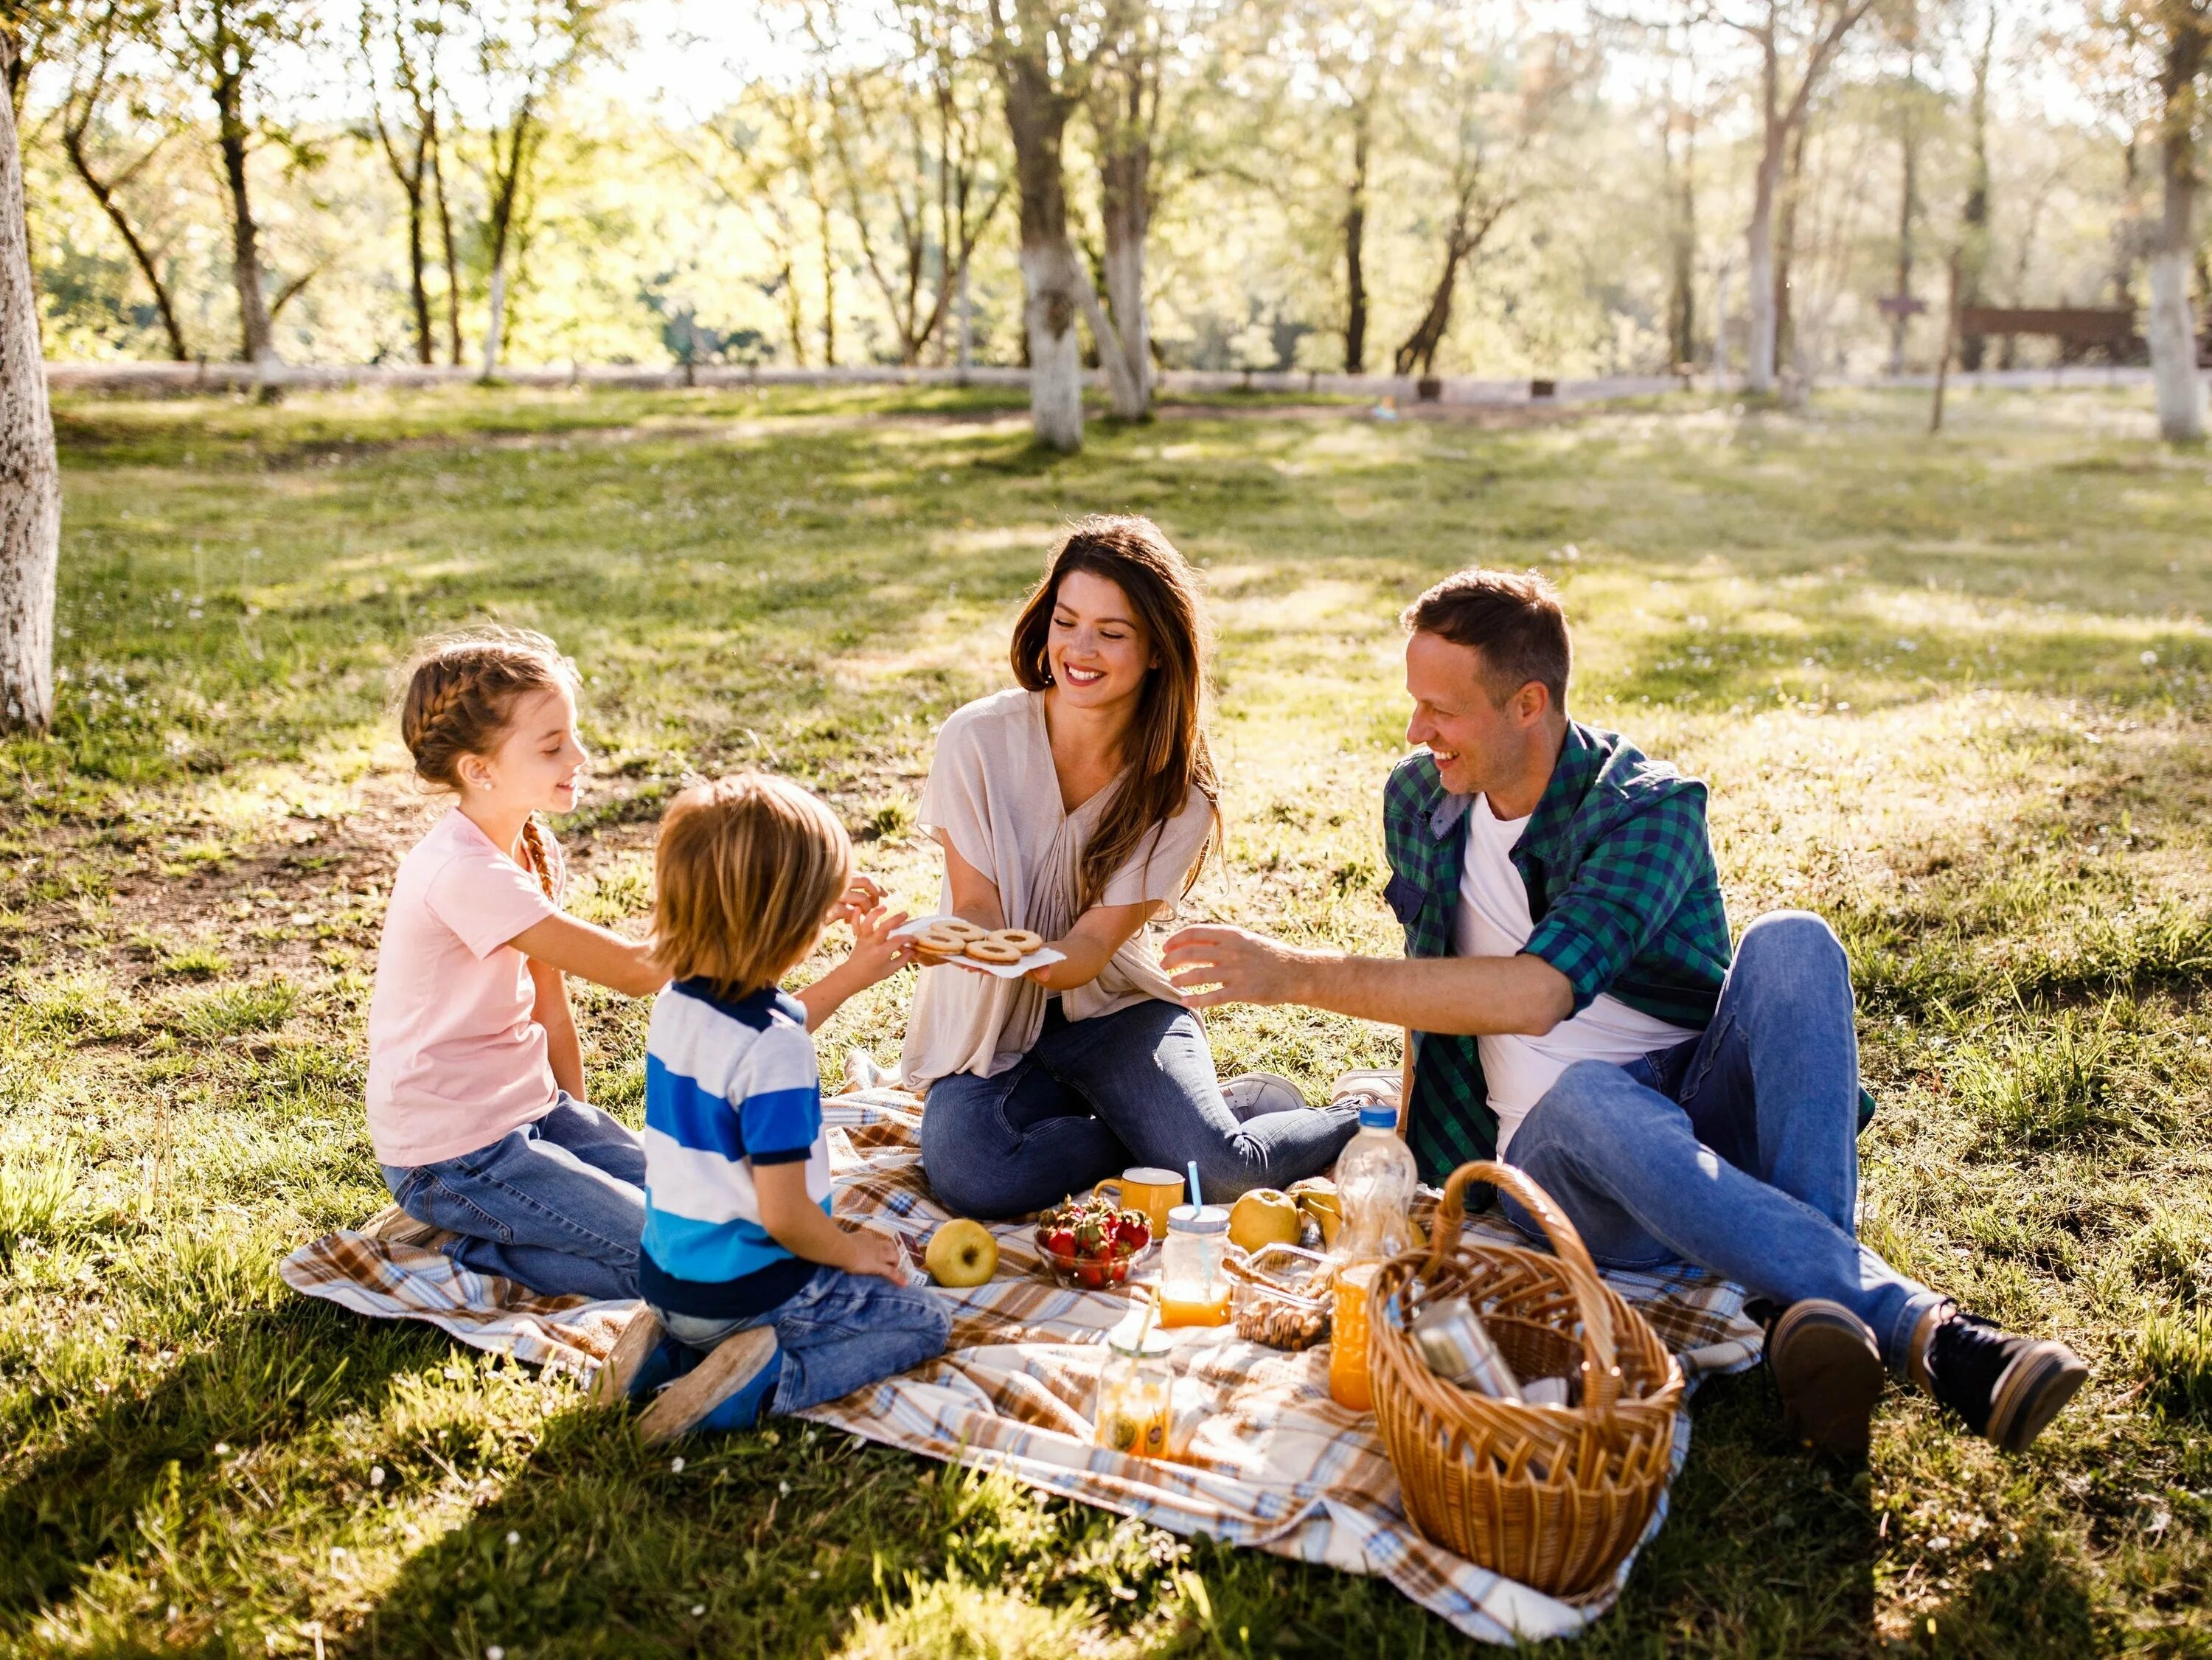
729 1084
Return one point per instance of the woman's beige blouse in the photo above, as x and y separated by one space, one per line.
992 793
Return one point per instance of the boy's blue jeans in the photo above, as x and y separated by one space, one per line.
1737 1150
558 1206
839 1332
1093 1098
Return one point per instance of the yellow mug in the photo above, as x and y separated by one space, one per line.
1155 1192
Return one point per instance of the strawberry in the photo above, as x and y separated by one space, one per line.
1059 1239
1134 1229
1091 1276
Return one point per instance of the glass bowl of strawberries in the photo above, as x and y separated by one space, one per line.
1089 1245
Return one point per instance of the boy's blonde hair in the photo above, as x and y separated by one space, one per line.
746 871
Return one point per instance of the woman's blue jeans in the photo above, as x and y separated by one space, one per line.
1093 1098
1737 1150
558 1206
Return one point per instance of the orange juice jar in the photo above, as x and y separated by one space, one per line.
1347 1350
1195 1289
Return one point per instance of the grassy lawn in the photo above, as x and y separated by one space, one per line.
1952 694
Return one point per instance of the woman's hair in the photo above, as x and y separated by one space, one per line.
461 696
1165 749
746 871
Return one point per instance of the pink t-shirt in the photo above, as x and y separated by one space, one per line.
455 1059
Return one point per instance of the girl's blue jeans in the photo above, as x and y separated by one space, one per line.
839 1332
1737 1150
558 1206
1093 1098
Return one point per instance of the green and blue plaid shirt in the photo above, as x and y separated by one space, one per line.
1623 889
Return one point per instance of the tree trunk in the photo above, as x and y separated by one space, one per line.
1681 299
1355 237
496 324
446 241
1786 344
1974 217
141 256
425 347
2173 327
1052 284
30 477
257 342
829 293
1908 206
1125 183
1759 270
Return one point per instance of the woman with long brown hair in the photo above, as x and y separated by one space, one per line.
1081 806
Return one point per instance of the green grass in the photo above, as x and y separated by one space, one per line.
1951 694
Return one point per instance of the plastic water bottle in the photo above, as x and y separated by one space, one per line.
1375 1181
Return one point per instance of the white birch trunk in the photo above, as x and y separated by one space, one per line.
498 323
30 478
1125 389
1758 273
2171 330
1720 327
1050 281
1124 295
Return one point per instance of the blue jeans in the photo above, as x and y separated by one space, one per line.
841 1332
1737 1150
1093 1098
558 1206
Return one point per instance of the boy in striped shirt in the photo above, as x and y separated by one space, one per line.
739 1256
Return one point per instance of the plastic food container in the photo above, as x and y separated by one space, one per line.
1282 1297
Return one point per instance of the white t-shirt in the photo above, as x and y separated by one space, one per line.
1493 920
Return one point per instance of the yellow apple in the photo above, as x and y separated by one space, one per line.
961 1254
1265 1216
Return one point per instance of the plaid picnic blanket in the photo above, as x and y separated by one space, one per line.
1273 1462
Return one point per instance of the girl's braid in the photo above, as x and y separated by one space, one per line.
533 839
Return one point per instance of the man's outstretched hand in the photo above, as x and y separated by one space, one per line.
1242 967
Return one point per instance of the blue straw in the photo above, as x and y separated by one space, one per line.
1196 1201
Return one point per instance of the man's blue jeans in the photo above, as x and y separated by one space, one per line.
1093 1098
839 1332
1737 1150
558 1206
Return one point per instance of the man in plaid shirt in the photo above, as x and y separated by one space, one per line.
1572 1006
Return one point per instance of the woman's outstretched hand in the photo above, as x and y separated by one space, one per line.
1242 967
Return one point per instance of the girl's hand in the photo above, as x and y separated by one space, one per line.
876 956
863 896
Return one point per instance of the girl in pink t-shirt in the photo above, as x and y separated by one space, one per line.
476 1076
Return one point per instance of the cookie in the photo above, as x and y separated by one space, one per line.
1022 939
997 953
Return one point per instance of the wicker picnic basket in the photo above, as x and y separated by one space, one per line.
1553 1497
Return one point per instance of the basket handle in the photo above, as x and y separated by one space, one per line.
1602 1386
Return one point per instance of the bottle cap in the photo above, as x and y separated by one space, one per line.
1378 1115
1198 1219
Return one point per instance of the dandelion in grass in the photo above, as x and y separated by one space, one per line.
697 1609
376 1475
675 1466
513 1538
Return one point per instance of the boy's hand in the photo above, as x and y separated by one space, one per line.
877 1254
876 956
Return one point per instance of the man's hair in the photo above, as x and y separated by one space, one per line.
746 873
1516 621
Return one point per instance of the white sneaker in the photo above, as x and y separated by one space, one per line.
1377 1084
1252 1093
862 1072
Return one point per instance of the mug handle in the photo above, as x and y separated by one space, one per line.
1099 1189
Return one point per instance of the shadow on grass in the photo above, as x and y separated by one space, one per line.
144 1475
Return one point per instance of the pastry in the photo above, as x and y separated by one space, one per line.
996 952
1022 939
